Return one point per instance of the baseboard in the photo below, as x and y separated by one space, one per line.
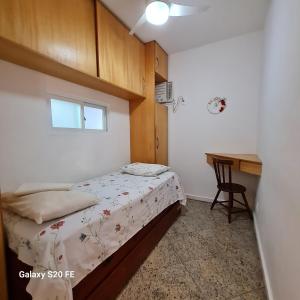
263 261
201 198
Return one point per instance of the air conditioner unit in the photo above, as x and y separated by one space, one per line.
164 92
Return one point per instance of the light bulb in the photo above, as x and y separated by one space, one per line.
157 12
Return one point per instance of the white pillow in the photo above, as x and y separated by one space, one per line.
31 188
142 169
45 206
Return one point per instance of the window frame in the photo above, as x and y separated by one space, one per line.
104 109
82 105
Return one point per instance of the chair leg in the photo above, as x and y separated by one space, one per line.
247 206
230 206
215 200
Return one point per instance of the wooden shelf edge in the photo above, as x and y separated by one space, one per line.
28 58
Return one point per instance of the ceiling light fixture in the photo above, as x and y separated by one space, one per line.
157 12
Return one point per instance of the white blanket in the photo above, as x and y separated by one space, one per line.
83 240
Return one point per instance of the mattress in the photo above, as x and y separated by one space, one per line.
65 250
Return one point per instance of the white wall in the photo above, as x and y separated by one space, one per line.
278 206
32 151
231 69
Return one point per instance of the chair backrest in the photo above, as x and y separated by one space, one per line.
222 167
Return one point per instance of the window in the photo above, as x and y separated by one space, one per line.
65 114
76 115
94 117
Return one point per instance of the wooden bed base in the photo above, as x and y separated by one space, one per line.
109 278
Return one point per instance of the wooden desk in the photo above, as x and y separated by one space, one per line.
247 163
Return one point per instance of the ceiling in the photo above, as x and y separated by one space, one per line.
224 19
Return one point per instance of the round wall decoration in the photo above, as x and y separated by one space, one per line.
216 105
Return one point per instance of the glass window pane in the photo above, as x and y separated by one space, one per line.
65 114
94 117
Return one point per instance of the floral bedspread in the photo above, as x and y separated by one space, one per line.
81 241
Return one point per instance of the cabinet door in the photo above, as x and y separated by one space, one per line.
112 54
161 133
61 29
161 64
135 65
142 116
121 56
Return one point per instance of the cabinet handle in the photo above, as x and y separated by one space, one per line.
156 63
157 143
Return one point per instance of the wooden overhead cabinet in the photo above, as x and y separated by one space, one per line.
135 64
121 56
161 64
63 30
111 47
58 37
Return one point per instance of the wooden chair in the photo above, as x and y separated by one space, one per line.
224 184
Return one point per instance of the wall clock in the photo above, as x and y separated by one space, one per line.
216 105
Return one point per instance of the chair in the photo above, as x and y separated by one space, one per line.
224 184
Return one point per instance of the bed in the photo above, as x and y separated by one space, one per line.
103 244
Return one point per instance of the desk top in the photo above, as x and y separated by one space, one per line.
253 158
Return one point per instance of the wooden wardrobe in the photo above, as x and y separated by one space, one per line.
149 119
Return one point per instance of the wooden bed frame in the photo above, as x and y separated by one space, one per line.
109 278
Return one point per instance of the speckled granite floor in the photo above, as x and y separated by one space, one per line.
201 257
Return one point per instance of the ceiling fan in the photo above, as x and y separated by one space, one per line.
157 12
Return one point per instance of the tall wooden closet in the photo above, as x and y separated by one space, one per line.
149 119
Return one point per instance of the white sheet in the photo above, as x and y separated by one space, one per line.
83 240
